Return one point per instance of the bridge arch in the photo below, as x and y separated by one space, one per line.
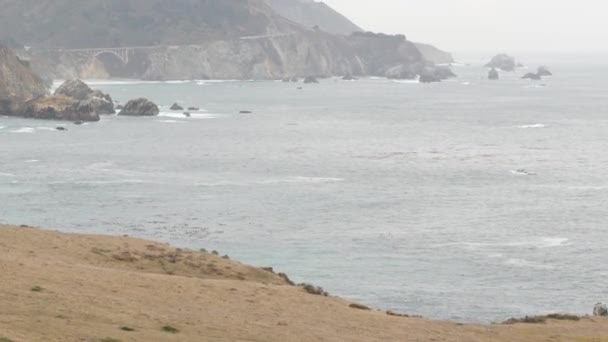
123 55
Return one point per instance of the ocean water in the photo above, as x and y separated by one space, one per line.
467 200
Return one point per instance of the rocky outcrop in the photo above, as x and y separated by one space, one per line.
600 309
57 107
503 62
100 103
140 107
543 71
532 76
17 82
493 74
176 107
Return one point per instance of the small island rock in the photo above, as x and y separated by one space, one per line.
100 103
503 62
176 107
543 71
493 74
140 107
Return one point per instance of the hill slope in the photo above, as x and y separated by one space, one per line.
66 287
310 13
114 23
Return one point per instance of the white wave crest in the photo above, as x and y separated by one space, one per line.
542 242
192 115
302 180
24 130
538 125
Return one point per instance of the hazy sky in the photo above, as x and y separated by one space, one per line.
488 25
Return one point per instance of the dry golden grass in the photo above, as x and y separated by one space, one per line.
99 288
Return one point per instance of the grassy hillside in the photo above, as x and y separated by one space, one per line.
66 287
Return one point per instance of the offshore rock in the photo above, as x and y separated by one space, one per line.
493 74
140 107
57 107
503 62
543 71
176 107
78 90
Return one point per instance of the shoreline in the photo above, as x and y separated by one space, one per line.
74 287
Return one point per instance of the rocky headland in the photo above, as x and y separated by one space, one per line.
24 94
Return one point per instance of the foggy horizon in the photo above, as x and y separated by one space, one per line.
488 25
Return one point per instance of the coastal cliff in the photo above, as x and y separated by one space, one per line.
17 81
182 39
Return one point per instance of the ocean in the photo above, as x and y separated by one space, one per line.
467 200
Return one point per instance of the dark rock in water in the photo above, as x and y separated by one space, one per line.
543 71
78 122
100 103
532 76
428 77
493 74
300 88
187 114
58 107
311 79
600 309
503 62
193 108
61 128
75 89
349 78
245 112
140 107
176 107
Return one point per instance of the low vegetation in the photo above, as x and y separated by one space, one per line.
359 307
170 329
542 319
